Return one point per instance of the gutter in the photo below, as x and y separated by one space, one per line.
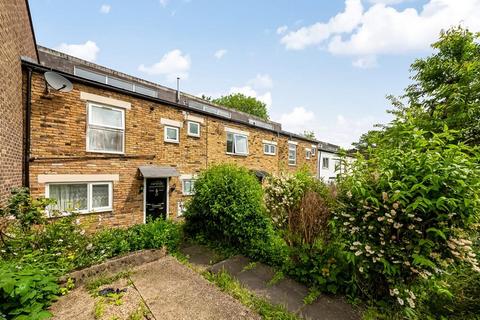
26 137
40 68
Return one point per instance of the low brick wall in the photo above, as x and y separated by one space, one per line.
115 265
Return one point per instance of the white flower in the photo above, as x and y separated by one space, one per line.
360 269
356 243
89 246
359 252
381 218
400 301
411 303
397 225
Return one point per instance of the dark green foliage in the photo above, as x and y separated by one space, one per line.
26 290
228 207
243 103
25 209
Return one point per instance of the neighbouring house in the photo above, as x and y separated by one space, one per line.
17 40
330 163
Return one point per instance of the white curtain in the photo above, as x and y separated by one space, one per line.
69 197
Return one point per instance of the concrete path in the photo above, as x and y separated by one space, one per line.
167 288
256 277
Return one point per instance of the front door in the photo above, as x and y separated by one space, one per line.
156 198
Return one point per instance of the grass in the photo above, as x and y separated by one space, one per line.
265 309
95 284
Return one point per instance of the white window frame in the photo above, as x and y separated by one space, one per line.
183 186
308 154
235 135
314 150
270 146
89 185
171 140
323 163
189 123
292 146
180 206
90 123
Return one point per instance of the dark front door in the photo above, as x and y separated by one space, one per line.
156 198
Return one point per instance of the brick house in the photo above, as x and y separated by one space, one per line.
120 149
16 40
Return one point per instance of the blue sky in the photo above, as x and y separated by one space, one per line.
324 66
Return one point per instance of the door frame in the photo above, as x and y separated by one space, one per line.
167 190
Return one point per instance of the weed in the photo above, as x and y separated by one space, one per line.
312 295
277 277
95 284
249 266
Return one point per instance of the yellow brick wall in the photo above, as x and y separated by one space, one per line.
16 40
58 146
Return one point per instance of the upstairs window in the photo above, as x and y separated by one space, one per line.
308 154
325 163
237 143
269 149
292 154
172 134
106 129
193 129
314 150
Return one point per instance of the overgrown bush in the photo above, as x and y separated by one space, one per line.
228 207
406 212
299 206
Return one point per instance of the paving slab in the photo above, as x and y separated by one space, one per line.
200 255
173 291
257 278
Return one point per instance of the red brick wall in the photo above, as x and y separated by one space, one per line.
16 39
58 130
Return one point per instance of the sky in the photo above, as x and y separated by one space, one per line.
323 66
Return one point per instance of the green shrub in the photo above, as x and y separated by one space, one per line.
228 207
323 266
406 212
26 290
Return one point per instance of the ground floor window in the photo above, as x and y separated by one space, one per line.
80 197
188 186
181 208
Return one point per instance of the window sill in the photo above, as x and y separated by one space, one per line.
171 141
66 214
269 154
292 165
193 136
237 154
107 152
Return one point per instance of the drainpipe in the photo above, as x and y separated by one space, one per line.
26 138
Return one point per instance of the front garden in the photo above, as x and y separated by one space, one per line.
398 234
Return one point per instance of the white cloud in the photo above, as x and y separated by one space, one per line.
250 92
105 8
382 29
282 29
365 62
341 130
261 81
86 51
317 33
390 2
298 120
164 3
172 65
220 53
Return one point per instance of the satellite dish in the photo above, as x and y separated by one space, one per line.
57 82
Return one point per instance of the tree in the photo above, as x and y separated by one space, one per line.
243 103
446 88
309 134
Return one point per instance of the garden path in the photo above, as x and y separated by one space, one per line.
169 289
257 277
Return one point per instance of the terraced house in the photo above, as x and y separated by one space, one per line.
121 149
118 149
